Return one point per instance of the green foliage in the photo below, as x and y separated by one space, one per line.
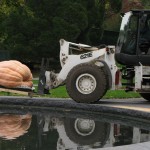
112 18
32 29
146 4
113 6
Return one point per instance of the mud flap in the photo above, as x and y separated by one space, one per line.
42 79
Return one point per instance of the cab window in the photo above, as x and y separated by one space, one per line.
130 40
144 40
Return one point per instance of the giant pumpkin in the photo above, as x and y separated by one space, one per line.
15 74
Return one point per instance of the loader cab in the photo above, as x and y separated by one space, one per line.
133 45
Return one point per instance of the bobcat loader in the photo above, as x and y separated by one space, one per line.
88 72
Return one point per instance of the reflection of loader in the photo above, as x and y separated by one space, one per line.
80 133
89 72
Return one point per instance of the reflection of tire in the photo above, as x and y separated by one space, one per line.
99 132
146 96
86 83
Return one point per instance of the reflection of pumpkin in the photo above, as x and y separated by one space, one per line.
13 126
14 74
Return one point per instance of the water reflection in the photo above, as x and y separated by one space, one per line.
13 126
50 131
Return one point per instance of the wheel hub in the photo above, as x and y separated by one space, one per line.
84 127
86 83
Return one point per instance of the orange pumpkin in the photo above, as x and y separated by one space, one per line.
14 74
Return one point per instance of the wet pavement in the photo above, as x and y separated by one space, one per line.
138 104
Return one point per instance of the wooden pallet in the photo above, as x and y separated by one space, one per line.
19 91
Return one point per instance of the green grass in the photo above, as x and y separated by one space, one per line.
61 92
121 94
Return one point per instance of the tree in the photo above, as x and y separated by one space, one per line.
112 15
32 29
132 4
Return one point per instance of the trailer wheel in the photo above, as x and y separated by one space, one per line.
146 96
86 83
87 131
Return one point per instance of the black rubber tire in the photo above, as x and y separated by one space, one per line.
99 76
107 79
100 134
146 96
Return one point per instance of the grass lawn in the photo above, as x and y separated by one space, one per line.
61 92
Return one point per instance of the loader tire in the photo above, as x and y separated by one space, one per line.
87 131
146 96
86 83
